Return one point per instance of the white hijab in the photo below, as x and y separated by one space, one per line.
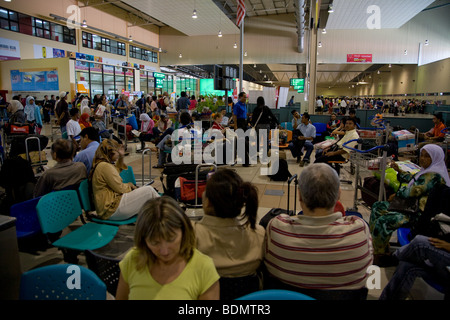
437 163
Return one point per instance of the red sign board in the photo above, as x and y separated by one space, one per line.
359 58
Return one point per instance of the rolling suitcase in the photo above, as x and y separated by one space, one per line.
277 211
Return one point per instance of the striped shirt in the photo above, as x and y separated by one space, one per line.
330 252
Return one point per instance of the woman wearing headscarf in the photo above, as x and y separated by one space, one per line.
147 125
17 114
383 223
33 113
114 199
84 121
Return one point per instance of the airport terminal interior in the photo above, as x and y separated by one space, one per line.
388 61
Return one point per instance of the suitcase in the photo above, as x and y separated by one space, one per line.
277 211
371 187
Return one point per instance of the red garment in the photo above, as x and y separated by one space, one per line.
83 120
193 104
217 126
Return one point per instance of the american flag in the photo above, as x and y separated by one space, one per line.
240 12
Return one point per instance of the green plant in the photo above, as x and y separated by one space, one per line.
209 104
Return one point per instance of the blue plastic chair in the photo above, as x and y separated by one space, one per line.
287 126
320 128
27 222
275 294
128 176
85 200
57 210
403 236
54 283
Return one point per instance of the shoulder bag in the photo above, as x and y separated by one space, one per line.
409 206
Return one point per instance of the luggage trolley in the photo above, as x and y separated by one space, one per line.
151 181
195 212
121 122
366 160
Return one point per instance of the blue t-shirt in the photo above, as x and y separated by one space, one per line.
240 110
86 156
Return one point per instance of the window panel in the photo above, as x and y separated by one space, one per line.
14 26
4 14
13 16
4 24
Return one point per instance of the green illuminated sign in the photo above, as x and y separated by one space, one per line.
297 82
299 88
159 79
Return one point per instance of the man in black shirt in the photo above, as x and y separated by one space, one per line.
183 103
62 111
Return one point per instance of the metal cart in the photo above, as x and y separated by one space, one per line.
367 160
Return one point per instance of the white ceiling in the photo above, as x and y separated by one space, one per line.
351 14
178 15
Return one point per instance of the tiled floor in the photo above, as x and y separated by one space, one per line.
124 240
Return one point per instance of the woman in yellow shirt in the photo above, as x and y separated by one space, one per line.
164 264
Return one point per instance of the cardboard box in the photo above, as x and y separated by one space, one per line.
367 134
406 140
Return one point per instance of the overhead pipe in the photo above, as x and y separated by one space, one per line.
301 25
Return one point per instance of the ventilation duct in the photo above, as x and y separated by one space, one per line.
301 25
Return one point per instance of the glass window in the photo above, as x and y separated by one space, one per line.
96 42
121 48
82 82
4 14
119 79
4 24
109 88
96 82
13 16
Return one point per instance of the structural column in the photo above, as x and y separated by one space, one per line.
311 65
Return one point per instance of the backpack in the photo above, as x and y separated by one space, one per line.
283 173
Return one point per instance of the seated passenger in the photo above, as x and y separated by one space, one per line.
114 199
73 127
302 137
333 124
89 142
423 257
435 134
147 125
341 153
166 144
383 223
164 263
84 121
232 239
65 173
320 249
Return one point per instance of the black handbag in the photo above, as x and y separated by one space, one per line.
408 206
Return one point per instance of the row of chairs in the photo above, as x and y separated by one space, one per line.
54 212
51 283
27 222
